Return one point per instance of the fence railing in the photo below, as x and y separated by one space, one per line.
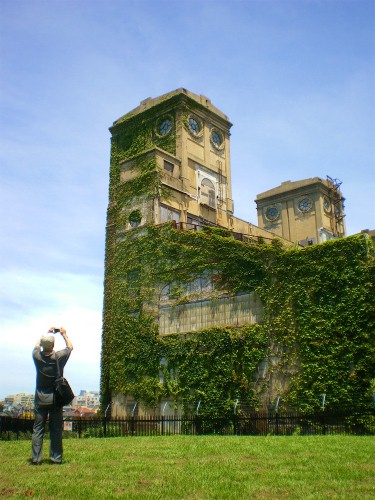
257 424
247 238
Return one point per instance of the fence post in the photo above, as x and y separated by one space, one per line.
235 417
105 419
277 422
323 422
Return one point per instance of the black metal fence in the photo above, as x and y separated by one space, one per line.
253 424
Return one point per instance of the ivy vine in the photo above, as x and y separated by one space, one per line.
318 303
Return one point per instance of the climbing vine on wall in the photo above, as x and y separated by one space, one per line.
317 333
322 305
318 304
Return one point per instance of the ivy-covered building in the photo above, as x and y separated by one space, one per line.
201 307
307 211
171 157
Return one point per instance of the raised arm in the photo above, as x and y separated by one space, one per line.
66 338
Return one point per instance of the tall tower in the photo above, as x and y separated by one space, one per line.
305 212
171 159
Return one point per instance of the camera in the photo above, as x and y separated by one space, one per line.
56 330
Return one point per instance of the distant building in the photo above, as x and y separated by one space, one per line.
18 404
89 399
79 411
22 399
84 392
306 212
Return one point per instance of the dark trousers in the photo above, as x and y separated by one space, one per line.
55 431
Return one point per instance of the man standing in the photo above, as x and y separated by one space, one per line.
46 359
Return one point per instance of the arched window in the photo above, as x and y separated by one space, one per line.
208 195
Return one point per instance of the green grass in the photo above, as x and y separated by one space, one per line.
195 467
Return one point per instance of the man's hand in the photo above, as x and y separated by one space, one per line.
54 329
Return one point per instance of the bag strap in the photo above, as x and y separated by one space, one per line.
45 375
58 374
50 376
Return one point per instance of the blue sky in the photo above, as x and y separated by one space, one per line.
295 77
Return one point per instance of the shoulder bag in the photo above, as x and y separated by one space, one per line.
63 392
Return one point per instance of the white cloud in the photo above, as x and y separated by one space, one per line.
31 304
17 371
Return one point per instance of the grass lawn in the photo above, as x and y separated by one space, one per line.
195 467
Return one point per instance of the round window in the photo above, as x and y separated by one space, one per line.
305 204
164 126
194 126
217 139
272 213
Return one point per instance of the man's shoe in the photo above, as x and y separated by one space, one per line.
32 462
55 462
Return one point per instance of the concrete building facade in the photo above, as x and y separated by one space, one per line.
179 144
306 212
197 175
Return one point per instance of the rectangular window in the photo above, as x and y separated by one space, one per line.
168 166
194 316
211 198
167 214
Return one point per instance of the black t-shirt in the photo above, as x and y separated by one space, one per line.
46 369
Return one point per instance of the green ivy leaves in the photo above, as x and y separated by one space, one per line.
317 335
316 309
